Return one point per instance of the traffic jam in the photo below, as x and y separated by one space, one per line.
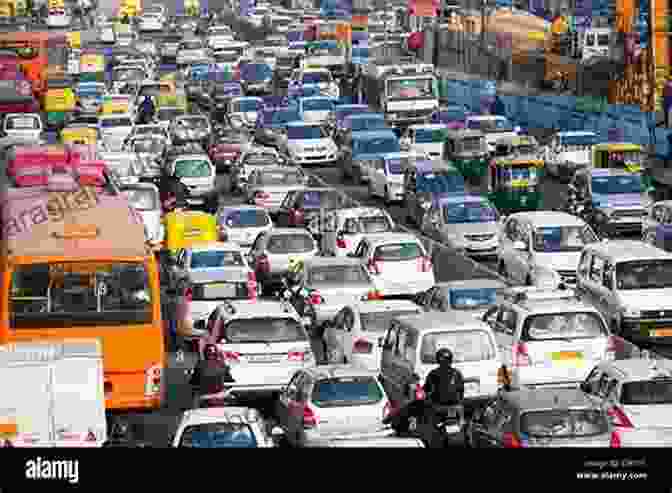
324 253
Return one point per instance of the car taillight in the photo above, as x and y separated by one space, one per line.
520 356
425 264
362 346
341 242
619 419
419 392
262 196
188 294
296 355
387 410
263 264
374 295
251 285
309 418
315 299
230 356
510 440
296 217
611 349
375 266
153 378
615 440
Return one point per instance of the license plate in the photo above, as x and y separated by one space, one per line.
567 356
263 358
195 201
219 290
451 429
660 333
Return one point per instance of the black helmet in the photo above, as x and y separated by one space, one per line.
444 355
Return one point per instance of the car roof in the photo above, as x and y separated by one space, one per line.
302 124
638 368
361 211
373 134
259 307
628 250
549 218
444 321
428 126
461 199
549 398
370 114
329 261
340 371
218 414
472 284
385 305
289 231
389 237
215 245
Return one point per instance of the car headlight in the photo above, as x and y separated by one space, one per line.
632 313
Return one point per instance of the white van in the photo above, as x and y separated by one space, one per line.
409 354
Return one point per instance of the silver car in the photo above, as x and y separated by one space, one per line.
242 223
268 186
190 128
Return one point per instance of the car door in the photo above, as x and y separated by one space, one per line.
285 206
386 357
287 402
505 333
346 334
520 259
598 294
256 250
432 223
333 339
507 237
401 366
650 223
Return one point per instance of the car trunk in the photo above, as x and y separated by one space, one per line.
568 355
280 261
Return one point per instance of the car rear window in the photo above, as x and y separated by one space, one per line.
347 391
466 345
263 329
563 326
472 299
218 435
340 274
379 321
220 291
398 251
647 392
192 169
246 219
564 423
216 258
297 243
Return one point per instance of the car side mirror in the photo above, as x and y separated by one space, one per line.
277 433
520 245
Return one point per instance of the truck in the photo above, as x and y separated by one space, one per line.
52 394
406 92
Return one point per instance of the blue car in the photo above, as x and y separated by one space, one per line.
342 111
360 122
364 148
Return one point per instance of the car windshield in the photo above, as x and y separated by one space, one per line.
562 238
285 61
644 274
142 199
79 294
245 218
260 158
317 105
150 146
22 123
347 391
380 321
280 178
466 345
490 125
368 123
564 423
563 326
382 145
196 168
283 116
291 243
469 212
412 88
200 123
647 392
321 199
212 259
263 329
168 114
398 252
256 72
306 132
430 136
245 106
126 74
578 141
191 45
605 185
116 122
337 274
472 299
316 77
218 435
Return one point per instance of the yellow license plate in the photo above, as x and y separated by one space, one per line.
660 333
567 355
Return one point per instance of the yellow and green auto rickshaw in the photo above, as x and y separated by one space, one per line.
58 100
467 150
192 8
622 156
513 183
79 135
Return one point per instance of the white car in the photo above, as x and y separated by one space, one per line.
249 160
398 263
242 224
493 126
24 126
549 337
106 33
219 36
428 139
222 427
331 401
197 172
59 17
244 111
309 143
316 109
352 335
637 393
144 198
542 248
151 22
114 129
263 342
386 178
344 228
320 76
125 166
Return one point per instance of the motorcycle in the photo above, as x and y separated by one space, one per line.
450 425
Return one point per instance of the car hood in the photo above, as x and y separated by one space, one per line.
618 200
302 144
566 261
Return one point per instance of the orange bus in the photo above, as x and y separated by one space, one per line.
36 51
74 264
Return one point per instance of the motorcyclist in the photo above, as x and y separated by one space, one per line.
444 385
209 375
173 193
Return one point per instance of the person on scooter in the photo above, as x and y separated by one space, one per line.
444 391
173 193
209 375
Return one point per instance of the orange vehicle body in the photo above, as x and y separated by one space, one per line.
51 52
79 238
